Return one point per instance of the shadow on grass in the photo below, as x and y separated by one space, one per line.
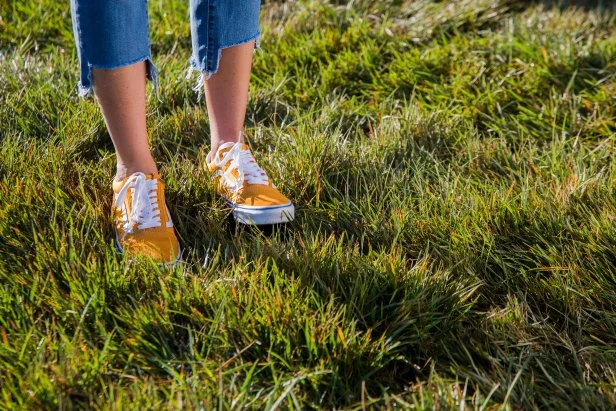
403 319
579 4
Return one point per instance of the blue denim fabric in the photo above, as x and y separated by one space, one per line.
115 33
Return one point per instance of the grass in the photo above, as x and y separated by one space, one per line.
453 169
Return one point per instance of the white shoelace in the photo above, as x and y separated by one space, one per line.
144 208
241 160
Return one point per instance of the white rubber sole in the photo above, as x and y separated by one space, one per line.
262 215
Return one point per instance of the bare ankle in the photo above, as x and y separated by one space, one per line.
216 142
123 171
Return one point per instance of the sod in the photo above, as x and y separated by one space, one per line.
452 166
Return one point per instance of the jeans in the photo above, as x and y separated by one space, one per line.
115 33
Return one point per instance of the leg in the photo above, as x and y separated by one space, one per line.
224 34
226 94
114 52
223 37
121 96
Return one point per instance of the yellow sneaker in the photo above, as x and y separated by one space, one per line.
142 222
246 188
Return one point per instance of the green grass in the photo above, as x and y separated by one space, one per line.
453 169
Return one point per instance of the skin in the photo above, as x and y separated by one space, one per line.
121 94
226 95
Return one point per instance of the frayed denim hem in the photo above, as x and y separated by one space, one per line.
204 72
84 87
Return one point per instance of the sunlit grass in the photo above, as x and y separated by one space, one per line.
452 165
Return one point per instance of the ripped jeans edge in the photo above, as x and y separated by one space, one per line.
84 87
203 73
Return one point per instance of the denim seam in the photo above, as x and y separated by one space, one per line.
82 91
196 64
210 30
151 71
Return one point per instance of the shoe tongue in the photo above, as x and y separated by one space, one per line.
224 148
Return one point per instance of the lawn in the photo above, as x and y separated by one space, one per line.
452 166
